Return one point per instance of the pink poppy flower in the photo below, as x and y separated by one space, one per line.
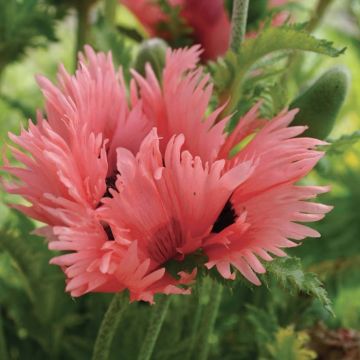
126 185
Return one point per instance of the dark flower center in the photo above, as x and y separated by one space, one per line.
110 184
226 218
109 232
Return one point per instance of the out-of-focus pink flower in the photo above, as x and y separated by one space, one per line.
278 19
281 17
208 21
149 14
275 3
127 185
211 25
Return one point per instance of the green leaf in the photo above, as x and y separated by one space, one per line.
283 38
289 273
230 72
290 345
28 252
342 144
24 24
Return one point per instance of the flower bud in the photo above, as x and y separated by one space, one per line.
151 51
320 103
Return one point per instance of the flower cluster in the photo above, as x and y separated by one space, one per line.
127 181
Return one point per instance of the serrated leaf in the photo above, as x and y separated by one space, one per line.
342 144
283 38
289 273
229 73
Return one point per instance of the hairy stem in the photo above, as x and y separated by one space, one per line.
108 326
209 318
83 25
238 24
156 320
199 306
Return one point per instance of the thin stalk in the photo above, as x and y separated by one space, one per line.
83 25
110 12
199 307
238 24
318 14
156 320
108 326
238 30
210 315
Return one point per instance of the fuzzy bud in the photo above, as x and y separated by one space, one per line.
320 103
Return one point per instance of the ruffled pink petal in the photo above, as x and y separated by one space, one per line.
268 203
272 218
281 156
74 170
121 201
182 84
171 210
96 97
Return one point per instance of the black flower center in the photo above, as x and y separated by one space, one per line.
226 218
110 184
109 232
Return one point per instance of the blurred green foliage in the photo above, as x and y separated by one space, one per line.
38 318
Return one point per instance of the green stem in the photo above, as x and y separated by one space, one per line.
238 24
210 315
156 320
196 321
108 326
318 14
110 12
83 25
238 30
